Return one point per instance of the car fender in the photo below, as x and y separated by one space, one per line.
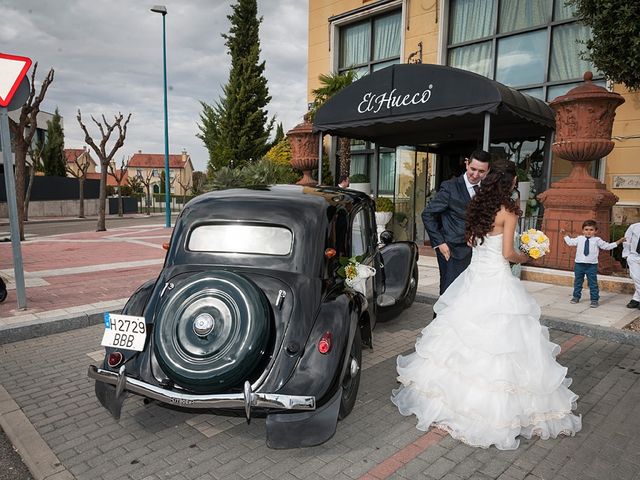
319 374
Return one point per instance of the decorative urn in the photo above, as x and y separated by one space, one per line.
584 120
304 150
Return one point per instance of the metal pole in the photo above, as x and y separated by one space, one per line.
10 187
487 131
167 174
320 160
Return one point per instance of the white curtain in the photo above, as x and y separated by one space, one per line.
561 11
470 19
475 58
387 36
566 45
354 44
387 172
518 14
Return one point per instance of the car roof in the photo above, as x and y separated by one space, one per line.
307 211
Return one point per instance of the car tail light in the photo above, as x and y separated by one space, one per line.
324 345
114 359
330 253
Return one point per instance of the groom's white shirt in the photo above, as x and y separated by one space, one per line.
470 186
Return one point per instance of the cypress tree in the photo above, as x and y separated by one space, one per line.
235 130
53 160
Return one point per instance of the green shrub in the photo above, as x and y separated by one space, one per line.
358 178
384 204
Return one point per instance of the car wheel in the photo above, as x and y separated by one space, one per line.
212 330
413 288
351 380
3 291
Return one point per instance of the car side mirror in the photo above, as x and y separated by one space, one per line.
386 237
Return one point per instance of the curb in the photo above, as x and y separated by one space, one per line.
34 451
42 328
598 332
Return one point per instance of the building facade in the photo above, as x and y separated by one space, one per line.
532 46
150 166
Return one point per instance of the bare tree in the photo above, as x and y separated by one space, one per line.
118 175
106 129
146 181
80 172
23 131
35 152
185 188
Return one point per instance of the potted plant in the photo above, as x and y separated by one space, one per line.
384 212
360 182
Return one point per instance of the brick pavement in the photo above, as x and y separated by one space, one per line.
46 378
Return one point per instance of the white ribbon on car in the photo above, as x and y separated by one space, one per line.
359 283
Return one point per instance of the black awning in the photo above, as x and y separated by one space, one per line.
413 104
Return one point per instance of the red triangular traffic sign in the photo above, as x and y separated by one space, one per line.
12 70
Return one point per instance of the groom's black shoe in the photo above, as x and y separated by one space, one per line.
633 304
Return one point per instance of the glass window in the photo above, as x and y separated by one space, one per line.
386 41
519 14
519 61
475 58
558 90
255 239
154 172
562 11
534 92
354 44
470 20
566 44
370 44
386 172
359 234
547 52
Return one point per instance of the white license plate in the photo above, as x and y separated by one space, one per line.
124 331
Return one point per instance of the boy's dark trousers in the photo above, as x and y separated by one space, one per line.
591 271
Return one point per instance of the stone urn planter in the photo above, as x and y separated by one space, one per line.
304 151
584 121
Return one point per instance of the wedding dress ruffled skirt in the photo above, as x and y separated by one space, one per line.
484 370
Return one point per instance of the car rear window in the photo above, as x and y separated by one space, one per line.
256 239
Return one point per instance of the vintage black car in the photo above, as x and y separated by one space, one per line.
251 312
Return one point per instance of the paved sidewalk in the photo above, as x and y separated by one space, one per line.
72 279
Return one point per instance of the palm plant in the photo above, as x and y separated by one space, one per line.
330 84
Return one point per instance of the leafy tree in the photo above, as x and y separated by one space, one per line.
280 153
615 44
263 172
330 84
279 134
53 159
235 130
199 182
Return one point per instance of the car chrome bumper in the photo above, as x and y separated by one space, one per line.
247 399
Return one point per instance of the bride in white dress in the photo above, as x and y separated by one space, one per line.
484 370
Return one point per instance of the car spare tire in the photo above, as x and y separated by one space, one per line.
212 330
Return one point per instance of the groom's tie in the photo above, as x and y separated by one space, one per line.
476 188
586 247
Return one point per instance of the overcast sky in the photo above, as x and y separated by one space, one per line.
107 57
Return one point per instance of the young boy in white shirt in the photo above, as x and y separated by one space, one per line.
586 263
631 251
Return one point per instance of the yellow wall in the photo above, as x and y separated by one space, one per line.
423 24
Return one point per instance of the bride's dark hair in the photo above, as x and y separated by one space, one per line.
495 192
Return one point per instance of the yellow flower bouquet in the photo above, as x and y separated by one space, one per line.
355 273
534 243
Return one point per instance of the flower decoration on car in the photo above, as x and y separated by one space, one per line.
534 243
355 273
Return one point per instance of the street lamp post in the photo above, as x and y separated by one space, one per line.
161 9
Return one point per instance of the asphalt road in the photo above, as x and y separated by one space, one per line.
73 225
12 466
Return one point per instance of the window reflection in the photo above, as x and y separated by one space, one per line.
519 60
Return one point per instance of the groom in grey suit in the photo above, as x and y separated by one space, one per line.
444 218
